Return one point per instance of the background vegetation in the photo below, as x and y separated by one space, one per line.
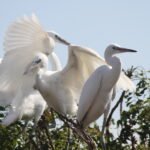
57 132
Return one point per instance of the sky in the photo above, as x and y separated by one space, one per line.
93 24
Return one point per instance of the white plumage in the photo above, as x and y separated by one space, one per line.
28 102
99 89
32 107
62 89
23 40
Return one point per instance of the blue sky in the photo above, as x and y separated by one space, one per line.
94 24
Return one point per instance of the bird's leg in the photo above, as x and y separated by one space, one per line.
102 135
103 127
105 117
102 138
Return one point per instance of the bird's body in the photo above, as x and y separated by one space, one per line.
58 95
99 89
32 107
62 89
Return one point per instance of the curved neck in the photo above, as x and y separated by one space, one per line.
108 56
115 63
55 62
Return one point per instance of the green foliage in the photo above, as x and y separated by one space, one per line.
134 122
59 133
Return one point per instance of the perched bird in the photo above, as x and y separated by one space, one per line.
23 40
99 89
33 104
28 104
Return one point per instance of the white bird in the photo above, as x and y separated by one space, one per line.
62 89
24 39
32 107
28 103
98 90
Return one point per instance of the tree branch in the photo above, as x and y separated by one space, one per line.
113 110
78 131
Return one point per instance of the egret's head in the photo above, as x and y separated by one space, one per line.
113 49
39 62
57 38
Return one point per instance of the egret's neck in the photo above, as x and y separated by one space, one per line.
115 63
55 62
108 56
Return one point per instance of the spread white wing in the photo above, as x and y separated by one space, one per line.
88 100
125 83
24 39
25 34
81 64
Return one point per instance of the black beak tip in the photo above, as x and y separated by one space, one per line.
134 51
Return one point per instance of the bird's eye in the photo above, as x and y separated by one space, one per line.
56 36
38 61
114 48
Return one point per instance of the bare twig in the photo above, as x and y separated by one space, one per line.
112 111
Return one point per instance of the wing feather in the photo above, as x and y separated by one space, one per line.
23 33
82 62
88 96
24 39
125 83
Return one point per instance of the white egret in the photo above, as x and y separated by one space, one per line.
33 105
62 89
98 90
24 39
28 103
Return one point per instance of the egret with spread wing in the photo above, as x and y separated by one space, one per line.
24 39
97 92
